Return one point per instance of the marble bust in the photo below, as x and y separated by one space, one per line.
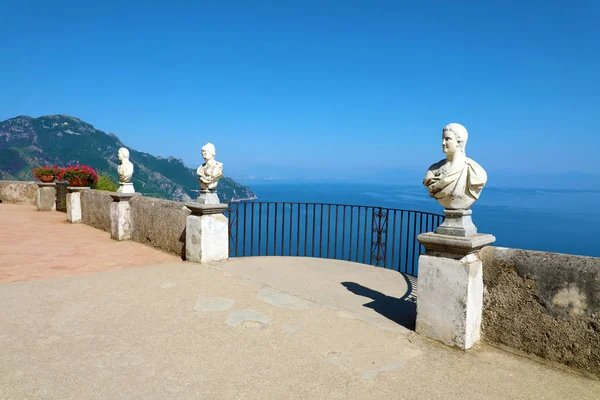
211 171
455 182
125 169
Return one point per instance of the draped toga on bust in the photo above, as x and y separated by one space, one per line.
455 187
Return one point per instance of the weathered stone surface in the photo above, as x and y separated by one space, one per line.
547 304
451 246
208 197
242 317
207 238
212 304
159 223
126 188
281 299
74 204
120 220
199 209
450 297
46 198
457 223
17 192
95 209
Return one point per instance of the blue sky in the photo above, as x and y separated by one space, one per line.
344 84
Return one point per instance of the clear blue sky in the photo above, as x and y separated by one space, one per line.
348 83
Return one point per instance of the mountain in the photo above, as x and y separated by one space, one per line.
27 142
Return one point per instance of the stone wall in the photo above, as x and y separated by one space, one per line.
18 192
159 223
546 304
95 209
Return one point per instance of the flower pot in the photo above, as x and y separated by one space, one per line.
47 179
79 182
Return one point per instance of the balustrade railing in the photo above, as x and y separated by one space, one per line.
377 236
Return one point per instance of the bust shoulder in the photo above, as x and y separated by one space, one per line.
470 161
438 165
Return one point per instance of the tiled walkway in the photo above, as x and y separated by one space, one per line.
42 245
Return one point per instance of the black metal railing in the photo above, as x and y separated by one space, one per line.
377 236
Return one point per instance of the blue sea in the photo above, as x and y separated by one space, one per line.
563 221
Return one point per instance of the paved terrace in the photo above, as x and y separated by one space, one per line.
85 317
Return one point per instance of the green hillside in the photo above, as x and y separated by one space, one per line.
27 142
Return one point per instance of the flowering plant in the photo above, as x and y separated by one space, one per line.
46 170
79 172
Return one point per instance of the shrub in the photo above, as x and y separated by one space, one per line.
105 183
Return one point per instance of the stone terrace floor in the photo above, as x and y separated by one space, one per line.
88 318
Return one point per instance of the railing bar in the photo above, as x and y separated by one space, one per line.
385 230
237 229
350 241
394 241
407 270
343 231
282 228
314 223
365 236
358 235
267 233
259 227
306 230
244 232
328 228
275 232
336 232
413 245
291 230
423 229
298 234
372 229
252 230
321 234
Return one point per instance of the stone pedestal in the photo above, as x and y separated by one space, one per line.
457 223
126 188
120 216
74 203
46 199
207 233
450 288
208 197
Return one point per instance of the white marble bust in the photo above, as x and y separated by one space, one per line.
211 171
125 169
456 181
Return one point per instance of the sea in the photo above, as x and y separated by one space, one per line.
562 221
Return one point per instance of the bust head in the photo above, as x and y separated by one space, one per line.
454 138
208 151
123 154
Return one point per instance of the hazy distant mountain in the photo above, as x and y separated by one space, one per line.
27 142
